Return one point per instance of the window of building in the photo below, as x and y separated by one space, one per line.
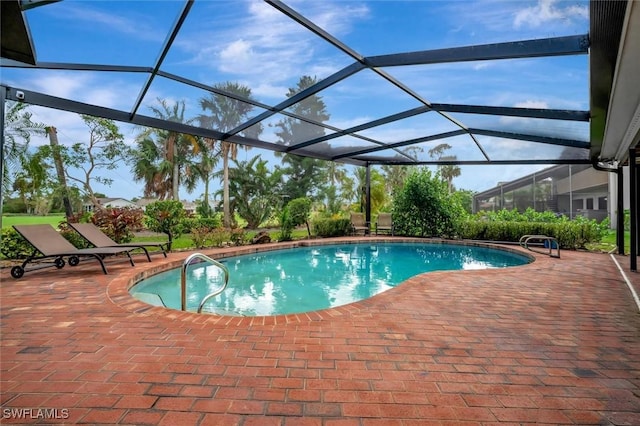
589 203
602 203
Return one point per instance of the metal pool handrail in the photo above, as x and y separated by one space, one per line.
183 279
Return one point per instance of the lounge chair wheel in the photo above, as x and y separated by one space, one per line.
74 261
59 262
17 272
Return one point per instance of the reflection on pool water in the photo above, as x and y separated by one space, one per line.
312 278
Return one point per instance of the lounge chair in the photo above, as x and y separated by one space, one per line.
384 223
358 224
97 238
53 246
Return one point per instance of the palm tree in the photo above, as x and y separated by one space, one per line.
394 177
377 188
33 179
447 171
161 155
224 114
150 165
340 186
202 170
307 177
17 134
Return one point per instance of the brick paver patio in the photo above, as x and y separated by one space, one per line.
555 342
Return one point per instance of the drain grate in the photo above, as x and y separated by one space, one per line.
34 350
584 372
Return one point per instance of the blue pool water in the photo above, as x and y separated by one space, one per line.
312 278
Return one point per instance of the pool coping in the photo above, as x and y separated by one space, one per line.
118 289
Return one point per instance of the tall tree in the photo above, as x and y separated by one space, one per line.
447 171
18 130
340 185
203 170
394 177
162 155
103 151
254 190
377 188
307 177
33 180
224 113
62 181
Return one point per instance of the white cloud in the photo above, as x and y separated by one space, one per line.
236 56
62 85
481 65
90 88
532 104
548 11
267 90
264 47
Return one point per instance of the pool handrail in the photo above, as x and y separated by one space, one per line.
183 280
548 242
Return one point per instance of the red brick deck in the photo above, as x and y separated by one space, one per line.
556 342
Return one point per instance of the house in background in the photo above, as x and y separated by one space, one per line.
108 202
189 206
571 190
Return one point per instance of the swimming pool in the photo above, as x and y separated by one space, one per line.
307 279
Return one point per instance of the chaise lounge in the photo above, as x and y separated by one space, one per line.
53 246
97 238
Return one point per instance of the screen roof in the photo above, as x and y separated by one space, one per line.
503 82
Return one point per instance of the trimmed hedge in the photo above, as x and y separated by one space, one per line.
570 234
332 227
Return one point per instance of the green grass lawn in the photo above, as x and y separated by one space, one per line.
10 220
182 242
608 242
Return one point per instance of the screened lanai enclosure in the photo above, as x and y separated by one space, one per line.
502 84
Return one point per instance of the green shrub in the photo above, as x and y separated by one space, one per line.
570 234
295 213
165 216
424 207
201 236
187 224
299 212
201 229
219 236
529 215
286 225
328 227
627 220
73 237
118 222
13 245
238 236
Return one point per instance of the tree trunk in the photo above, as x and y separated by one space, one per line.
62 180
206 196
225 191
176 174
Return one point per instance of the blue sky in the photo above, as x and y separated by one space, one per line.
251 43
